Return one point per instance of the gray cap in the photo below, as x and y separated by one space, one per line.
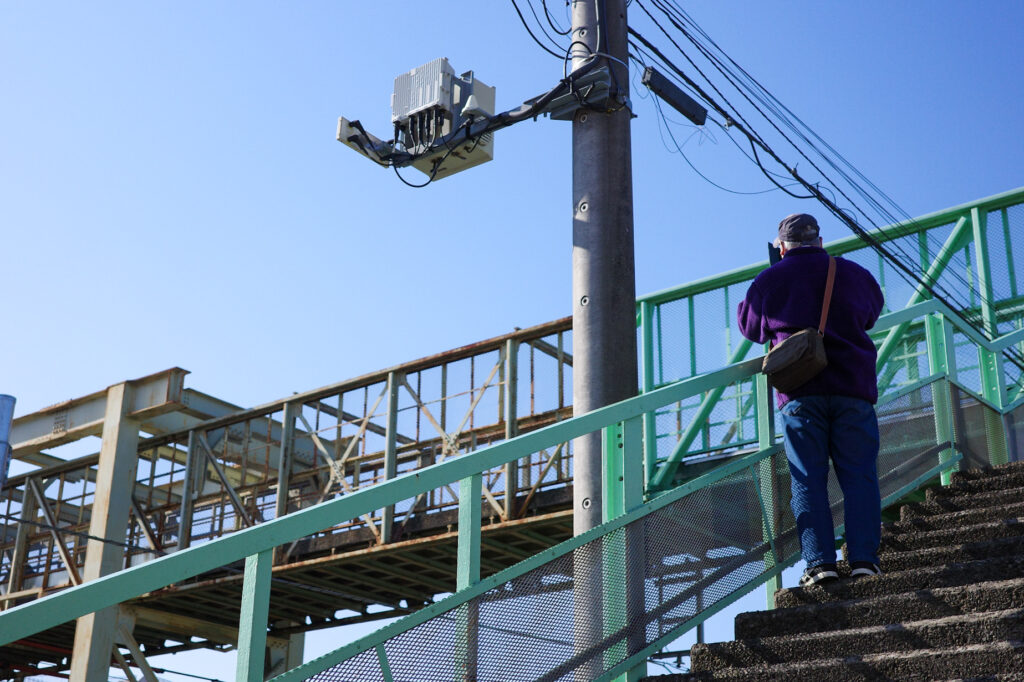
799 227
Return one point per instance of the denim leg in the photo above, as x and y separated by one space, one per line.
805 430
854 445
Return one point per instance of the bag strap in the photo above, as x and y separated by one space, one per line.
828 294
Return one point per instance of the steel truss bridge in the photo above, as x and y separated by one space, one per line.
441 489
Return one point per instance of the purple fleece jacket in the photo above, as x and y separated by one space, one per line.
787 297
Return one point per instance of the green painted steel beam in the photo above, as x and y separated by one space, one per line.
612 502
647 383
468 569
253 617
956 240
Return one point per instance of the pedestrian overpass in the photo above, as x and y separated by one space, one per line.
440 489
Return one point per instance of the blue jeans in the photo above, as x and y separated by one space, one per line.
817 429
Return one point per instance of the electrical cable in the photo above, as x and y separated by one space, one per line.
757 92
761 94
679 148
530 31
840 213
533 10
665 120
551 22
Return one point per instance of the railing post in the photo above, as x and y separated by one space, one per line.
993 378
623 573
612 504
390 451
766 470
941 360
647 383
252 620
511 422
467 637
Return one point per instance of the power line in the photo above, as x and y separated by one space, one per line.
529 30
551 22
736 119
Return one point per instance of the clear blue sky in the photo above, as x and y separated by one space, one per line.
171 193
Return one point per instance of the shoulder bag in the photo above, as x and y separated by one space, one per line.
800 357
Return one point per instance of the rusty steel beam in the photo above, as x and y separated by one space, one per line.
65 422
380 376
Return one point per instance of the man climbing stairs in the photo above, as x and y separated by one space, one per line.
949 606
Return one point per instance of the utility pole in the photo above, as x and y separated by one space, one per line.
604 292
603 271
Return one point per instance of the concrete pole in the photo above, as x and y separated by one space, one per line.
603 272
115 476
604 292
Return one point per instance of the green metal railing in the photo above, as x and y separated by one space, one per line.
957 418
690 329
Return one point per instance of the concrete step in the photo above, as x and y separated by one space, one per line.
976 474
991 484
950 520
921 604
968 551
952 535
931 577
973 661
938 501
938 633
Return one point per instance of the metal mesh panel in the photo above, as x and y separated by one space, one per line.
979 432
1015 434
673 350
651 576
907 433
1005 264
968 367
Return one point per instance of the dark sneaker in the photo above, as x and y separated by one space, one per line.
864 569
818 575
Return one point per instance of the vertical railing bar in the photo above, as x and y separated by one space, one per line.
765 439
468 574
765 519
647 384
693 338
385 667
253 616
1010 267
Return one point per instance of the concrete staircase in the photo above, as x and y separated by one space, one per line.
950 605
